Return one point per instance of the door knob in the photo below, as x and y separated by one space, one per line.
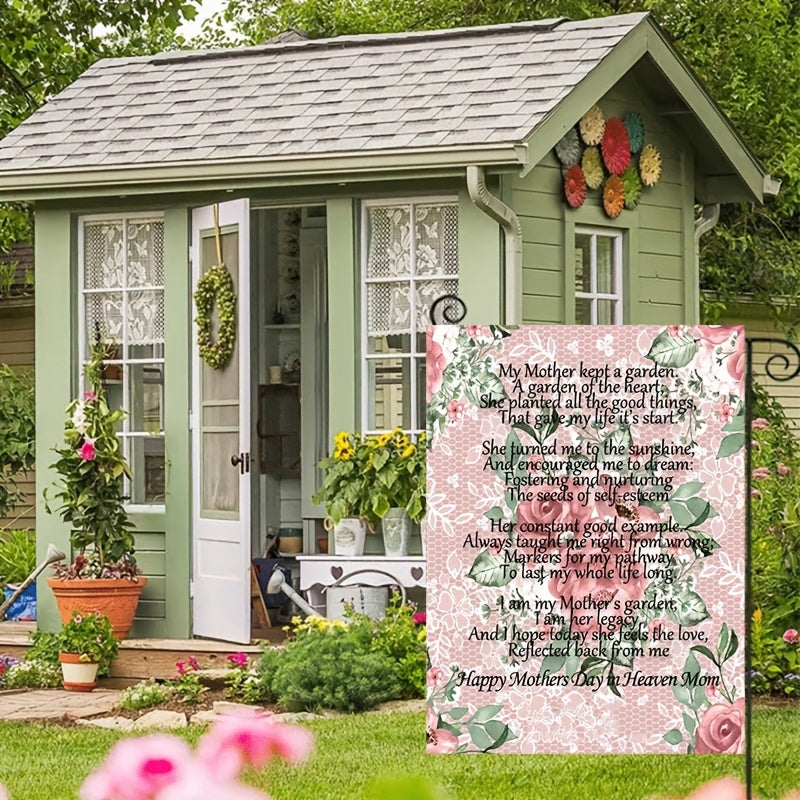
242 461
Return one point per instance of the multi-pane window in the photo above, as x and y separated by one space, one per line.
410 259
598 277
122 307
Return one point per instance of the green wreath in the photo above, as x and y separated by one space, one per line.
216 286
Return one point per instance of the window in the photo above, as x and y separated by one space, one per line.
410 259
598 277
122 306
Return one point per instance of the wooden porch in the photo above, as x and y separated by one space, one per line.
149 658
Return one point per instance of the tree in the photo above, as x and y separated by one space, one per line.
746 51
46 44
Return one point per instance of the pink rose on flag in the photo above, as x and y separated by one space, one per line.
721 728
440 741
434 365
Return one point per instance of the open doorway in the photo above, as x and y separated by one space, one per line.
289 266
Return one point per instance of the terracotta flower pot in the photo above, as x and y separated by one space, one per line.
79 676
115 598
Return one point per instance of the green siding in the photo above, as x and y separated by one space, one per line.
660 277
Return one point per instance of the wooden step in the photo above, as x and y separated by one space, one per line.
139 659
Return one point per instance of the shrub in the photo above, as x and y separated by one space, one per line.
17 556
348 666
43 648
32 675
144 695
18 424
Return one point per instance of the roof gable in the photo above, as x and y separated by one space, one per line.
499 95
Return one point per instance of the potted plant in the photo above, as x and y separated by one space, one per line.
345 493
395 474
86 644
375 479
103 576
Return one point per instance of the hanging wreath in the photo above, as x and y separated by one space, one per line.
615 147
575 187
613 196
216 288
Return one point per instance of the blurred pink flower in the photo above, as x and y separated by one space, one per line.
755 494
759 424
420 618
137 769
674 330
759 473
721 789
791 636
202 786
473 331
755 444
250 738
193 663
181 667
3 794
238 659
783 469
86 451
89 397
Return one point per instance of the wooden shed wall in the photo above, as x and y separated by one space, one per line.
16 350
660 269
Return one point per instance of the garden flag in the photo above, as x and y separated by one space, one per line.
586 539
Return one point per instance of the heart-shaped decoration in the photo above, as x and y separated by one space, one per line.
337 572
416 573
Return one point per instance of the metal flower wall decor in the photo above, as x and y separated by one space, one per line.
609 155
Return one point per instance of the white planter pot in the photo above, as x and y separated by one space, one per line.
348 537
396 526
79 676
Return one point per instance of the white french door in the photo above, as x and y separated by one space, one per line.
221 440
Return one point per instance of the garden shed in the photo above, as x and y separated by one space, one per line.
546 172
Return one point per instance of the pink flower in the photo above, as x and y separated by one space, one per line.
86 451
202 786
791 636
759 424
455 410
419 618
720 730
3 794
434 365
728 345
181 667
720 789
238 659
760 473
675 330
440 741
89 397
726 413
435 676
137 769
250 738
783 469
755 494
755 444
193 663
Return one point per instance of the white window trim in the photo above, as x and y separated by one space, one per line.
618 254
133 508
365 356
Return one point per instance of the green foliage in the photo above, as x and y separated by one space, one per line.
17 556
91 637
348 666
91 466
144 694
775 547
32 675
43 648
186 684
17 433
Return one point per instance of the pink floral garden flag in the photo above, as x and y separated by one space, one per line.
586 539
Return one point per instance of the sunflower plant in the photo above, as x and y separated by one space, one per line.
365 476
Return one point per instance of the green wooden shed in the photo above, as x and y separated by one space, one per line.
356 179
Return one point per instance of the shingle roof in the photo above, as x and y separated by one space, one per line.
439 89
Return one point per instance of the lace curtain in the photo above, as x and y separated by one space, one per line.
123 270
424 266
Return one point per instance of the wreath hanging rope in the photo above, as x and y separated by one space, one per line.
216 287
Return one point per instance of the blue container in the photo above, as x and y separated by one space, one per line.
24 607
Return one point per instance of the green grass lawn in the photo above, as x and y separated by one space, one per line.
49 763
